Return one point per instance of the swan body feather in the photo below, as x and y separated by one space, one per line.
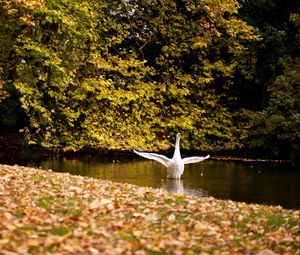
175 165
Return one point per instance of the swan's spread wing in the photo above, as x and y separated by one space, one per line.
157 157
191 160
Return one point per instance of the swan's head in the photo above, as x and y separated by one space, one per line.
178 136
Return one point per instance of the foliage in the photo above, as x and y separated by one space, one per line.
124 74
44 212
277 128
131 74
272 18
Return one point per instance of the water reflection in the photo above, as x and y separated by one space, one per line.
173 185
265 183
179 187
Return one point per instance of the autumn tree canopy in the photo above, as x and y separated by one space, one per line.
127 74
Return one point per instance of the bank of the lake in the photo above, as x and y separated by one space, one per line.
16 147
43 212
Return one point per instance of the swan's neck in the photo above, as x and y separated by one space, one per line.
177 148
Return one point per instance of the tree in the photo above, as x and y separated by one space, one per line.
272 18
276 128
124 74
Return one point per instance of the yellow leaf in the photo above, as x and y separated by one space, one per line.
33 243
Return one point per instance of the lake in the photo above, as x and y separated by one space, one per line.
251 182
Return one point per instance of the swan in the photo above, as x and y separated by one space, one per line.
175 165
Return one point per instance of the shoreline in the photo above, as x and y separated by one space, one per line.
59 213
15 142
130 154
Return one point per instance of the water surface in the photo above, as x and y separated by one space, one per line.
264 183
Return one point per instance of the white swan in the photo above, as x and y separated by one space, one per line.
175 165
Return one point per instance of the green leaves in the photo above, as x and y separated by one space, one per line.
123 75
276 128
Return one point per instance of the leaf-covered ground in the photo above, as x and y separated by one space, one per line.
42 212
